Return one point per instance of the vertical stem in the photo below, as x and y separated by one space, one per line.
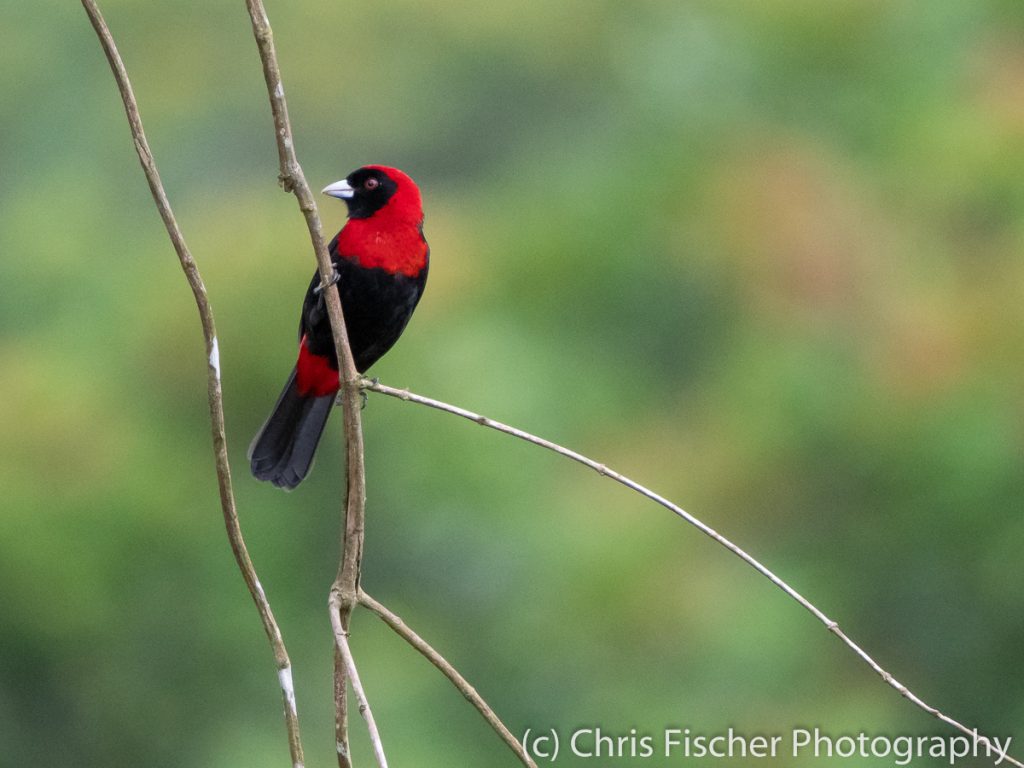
341 710
344 654
346 584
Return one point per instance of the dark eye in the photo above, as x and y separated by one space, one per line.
371 184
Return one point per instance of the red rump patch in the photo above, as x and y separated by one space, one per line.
314 376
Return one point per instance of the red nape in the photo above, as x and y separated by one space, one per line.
314 376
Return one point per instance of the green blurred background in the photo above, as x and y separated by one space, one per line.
762 256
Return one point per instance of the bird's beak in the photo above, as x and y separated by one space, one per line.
340 189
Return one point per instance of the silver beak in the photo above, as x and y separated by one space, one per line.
340 189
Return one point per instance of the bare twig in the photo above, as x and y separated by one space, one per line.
601 469
468 691
214 394
346 583
345 653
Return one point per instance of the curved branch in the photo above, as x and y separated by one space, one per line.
214 394
605 471
406 632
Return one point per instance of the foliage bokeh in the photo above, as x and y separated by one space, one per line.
763 257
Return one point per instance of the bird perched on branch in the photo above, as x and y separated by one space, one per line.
380 258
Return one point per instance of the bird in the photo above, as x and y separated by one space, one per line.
380 259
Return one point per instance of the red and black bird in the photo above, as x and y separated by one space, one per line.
381 260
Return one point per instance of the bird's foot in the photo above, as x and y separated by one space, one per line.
367 383
335 277
340 397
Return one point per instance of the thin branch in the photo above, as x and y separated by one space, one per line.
341 707
345 653
346 583
214 394
468 691
603 470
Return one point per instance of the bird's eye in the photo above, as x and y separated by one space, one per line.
371 184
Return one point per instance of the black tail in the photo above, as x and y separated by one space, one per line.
282 451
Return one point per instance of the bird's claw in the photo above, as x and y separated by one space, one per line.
362 399
335 277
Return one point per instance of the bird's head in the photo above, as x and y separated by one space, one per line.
374 188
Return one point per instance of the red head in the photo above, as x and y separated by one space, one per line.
377 190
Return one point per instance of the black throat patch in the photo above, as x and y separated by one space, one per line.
372 189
